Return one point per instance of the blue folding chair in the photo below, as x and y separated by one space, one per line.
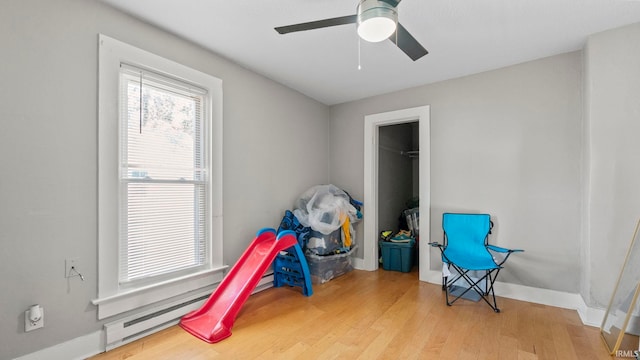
465 248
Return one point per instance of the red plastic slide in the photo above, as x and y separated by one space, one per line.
214 320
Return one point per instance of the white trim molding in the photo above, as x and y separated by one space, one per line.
123 302
370 221
75 349
589 316
94 343
113 297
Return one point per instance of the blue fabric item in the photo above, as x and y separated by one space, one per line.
466 236
291 222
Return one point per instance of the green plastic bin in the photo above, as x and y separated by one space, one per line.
397 256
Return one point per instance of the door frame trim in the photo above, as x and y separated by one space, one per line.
372 123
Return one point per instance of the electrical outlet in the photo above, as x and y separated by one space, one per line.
70 264
29 324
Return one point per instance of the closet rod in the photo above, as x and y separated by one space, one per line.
408 153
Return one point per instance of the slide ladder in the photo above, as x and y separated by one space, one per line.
290 268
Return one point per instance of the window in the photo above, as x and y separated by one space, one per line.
160 203
163 176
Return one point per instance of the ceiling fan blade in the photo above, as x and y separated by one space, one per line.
407 43
350 19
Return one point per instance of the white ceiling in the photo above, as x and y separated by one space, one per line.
462 36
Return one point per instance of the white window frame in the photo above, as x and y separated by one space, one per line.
112 298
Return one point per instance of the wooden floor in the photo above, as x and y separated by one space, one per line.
380 315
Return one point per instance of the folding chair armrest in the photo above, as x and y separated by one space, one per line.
502 250
435 244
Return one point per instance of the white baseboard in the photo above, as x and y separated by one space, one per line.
589 316
358 263
94 343
77 349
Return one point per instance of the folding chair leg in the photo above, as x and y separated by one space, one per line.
447 287
488 280
445 278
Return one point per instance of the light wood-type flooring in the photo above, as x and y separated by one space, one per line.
380 315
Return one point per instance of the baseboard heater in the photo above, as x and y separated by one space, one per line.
159 318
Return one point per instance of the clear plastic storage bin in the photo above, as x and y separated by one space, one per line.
325 268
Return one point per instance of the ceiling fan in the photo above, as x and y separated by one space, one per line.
377 20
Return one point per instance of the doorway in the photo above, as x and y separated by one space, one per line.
398 174
372 126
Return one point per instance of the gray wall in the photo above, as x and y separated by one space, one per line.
612 181
507 142
275 147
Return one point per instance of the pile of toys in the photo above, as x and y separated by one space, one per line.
323 218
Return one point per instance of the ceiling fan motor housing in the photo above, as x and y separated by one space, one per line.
377 20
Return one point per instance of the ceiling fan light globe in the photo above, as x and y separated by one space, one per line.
376 29
377 20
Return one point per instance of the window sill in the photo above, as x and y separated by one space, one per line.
136 298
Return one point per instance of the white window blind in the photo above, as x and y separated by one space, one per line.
163 176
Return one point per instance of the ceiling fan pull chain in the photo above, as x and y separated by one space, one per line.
359 66
396 32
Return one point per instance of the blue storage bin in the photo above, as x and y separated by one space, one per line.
397 256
